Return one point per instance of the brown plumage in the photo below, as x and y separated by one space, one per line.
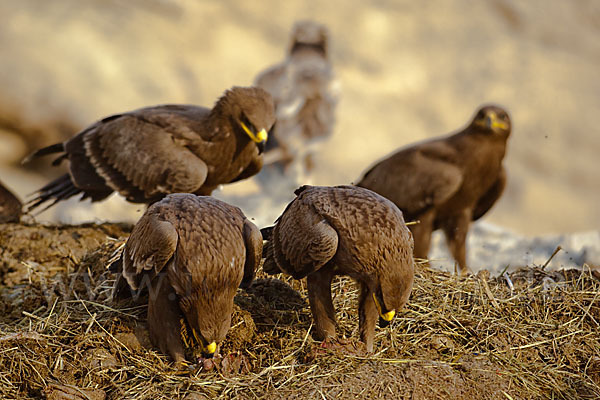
191 253
344 230
10 206
446 183
148 153
305 95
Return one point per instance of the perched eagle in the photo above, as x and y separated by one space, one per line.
344 230
10 206
446 183
148 153
304 90
191 253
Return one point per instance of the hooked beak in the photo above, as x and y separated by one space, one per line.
209 349
493 122
383 323
261 147
384 317
260 137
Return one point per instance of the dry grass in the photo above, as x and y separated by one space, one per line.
466 338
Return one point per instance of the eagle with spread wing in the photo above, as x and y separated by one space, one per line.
148 153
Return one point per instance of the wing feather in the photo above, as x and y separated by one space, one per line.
485 203
149 248
417 178
303 240
254 246
146 152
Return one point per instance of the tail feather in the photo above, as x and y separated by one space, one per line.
267 232
59 189
55 148
270 266
59 159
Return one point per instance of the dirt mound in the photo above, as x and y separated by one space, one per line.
533 335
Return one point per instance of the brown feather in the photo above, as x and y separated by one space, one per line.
10 206
445 183
200 248
148 153
344 230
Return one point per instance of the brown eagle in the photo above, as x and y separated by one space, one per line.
148 153
10 206
344 230
446 183
191 253
304 90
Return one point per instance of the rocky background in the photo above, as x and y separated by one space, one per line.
408 71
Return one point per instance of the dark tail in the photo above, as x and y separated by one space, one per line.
55 148
59 189
267 232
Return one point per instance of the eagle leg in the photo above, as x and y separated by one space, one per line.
367 316
164 319
455 230
421 232
321 304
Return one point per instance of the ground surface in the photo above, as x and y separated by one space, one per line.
60 335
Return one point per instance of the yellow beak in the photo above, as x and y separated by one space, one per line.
388 316
210 348
261 136
496 123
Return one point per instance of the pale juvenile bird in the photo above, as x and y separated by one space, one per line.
344 230
151 152
446 183
10 206
191 253
305 93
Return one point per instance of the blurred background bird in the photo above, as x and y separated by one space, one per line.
305 92
446 183
148 153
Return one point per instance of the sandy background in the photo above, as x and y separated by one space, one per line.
408 70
